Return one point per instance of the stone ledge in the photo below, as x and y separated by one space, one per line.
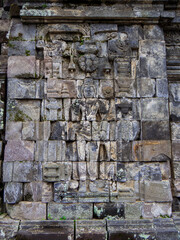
159 229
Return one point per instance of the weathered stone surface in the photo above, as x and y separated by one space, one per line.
174 91
21 67
21 31
91 229
53 172
175 131
128 130
21 48
102 210
23 110
27 171
176 170
9 228
13 130
133 210
151 150
153 32
154 210
176 150
71 211
162 88
13 192
27 210
7 171
157 191
36 130
154 109
27 89
146 87
46 229
174 111
155 130
33 191
19 150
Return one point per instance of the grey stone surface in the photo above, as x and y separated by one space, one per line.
27 210
155 130
13 130
133 210
23 48
27 171
154 109
8 171
71 211
13 192
19 150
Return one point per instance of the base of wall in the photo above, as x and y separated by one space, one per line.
157 229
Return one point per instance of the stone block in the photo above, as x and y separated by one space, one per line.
127 130
155 52
102 210
133 210
22 67
13 192
17 150
47 192
174 111
61 88
25 89
51 110
8 171
83 131
124 151
124 192
176 150
34 131
52 151
66 191
176 168
98 151
27 171
174 91
155 130
154 210
153 32
162 88
157 191
81 150
33 191
58 131
27 210
175 131
53 172
151 150
9 228
20 31
71 211
21 48
106 89
46 229
100 131
23 110
92 170
145 87
107 170
154 109
13 130
91 229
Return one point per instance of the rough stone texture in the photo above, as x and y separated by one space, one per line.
91 229
21 67
92 106
19 151
27 210
13 192
9 228
70 211
46 229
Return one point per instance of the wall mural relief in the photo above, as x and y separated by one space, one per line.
85 124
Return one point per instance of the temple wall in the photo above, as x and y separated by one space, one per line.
92 113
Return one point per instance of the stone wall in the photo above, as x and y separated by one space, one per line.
92 116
